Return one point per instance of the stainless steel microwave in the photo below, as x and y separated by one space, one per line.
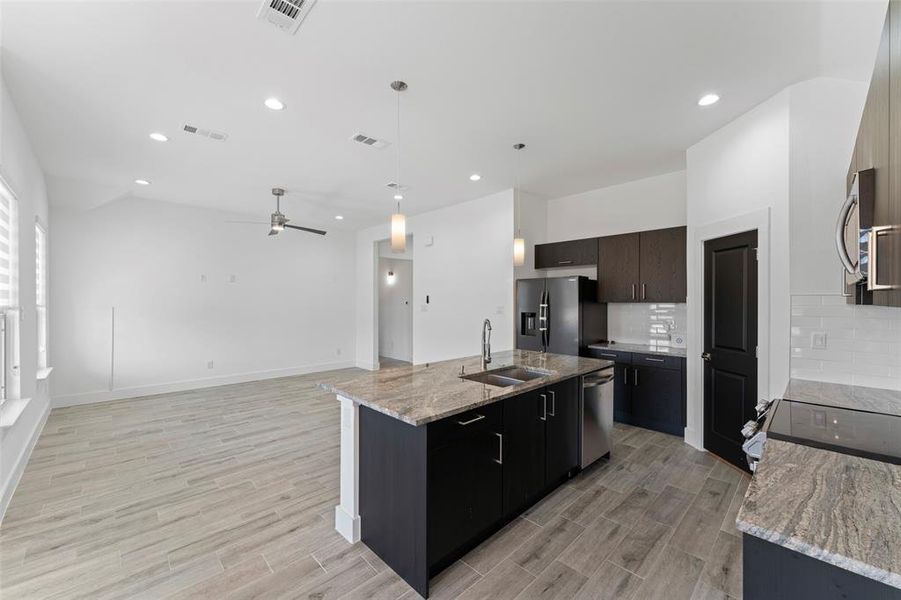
858 240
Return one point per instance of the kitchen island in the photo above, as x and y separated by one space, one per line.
433 462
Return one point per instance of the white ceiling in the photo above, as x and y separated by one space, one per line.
600 92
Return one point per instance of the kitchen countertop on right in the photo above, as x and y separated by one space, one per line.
640 348
844 396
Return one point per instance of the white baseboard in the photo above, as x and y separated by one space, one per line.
193 384
15 475
367 365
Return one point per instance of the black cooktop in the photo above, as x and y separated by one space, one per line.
857 432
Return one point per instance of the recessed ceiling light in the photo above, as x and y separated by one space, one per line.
274 104
142 182
708 99
158 137
339 218
398 196
475 177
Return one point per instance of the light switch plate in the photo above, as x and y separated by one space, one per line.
818 340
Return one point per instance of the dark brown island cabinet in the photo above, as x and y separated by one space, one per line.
649 389
646 266
878 147
431 493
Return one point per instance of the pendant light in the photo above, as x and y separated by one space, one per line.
519 243
398 220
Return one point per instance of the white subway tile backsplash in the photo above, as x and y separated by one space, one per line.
863 343
645 323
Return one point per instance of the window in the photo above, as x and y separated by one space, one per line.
9 295
40 279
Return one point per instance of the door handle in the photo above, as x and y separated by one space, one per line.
471 421
633 291
543 417
707 356
626 376
500 448
553 412
873 243
644 291
635 377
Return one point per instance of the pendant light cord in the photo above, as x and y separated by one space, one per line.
397 154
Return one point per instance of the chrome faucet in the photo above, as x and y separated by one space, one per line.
486 343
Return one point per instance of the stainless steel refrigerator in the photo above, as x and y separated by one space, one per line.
559 315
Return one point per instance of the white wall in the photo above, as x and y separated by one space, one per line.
21 421
738 178
284 313
396 308
530 216
464 263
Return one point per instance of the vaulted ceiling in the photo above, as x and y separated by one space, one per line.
601 92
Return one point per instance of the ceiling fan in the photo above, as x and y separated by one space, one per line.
277 221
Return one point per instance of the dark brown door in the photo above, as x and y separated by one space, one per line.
730 342
618 264
662 259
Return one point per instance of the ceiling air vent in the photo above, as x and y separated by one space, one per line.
362 138
212 134
287 15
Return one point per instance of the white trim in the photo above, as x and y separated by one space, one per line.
758 220
193 384
347 513
15 475
44 373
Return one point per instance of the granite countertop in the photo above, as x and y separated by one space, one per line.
421 394
641 348
838 508
844 396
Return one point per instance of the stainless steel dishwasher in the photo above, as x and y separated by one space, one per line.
597 415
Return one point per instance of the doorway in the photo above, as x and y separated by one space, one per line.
730 343
395 284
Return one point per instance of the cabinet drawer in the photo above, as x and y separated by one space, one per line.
465 424
574 253
658 361
618 356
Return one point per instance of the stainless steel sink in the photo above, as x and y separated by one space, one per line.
505 376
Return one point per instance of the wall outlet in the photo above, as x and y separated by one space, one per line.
232 278
202 278
499 310
209 364
338 351
818 340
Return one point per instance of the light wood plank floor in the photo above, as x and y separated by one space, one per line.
229 492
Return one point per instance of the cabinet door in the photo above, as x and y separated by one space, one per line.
571 253
662 270
622 393
618 265
524 449
657 399
465 499
562 429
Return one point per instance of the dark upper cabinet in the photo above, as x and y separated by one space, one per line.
574 253
618 267
524 449
643 267
562 454
662 265
878 147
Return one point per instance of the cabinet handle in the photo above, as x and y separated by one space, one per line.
543 417
500 448
655 359
644 291
635 377
633 291
471 421
564 262
553 412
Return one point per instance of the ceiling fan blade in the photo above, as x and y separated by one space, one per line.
249 222
317 231
273 232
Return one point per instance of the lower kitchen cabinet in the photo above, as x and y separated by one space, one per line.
429 494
